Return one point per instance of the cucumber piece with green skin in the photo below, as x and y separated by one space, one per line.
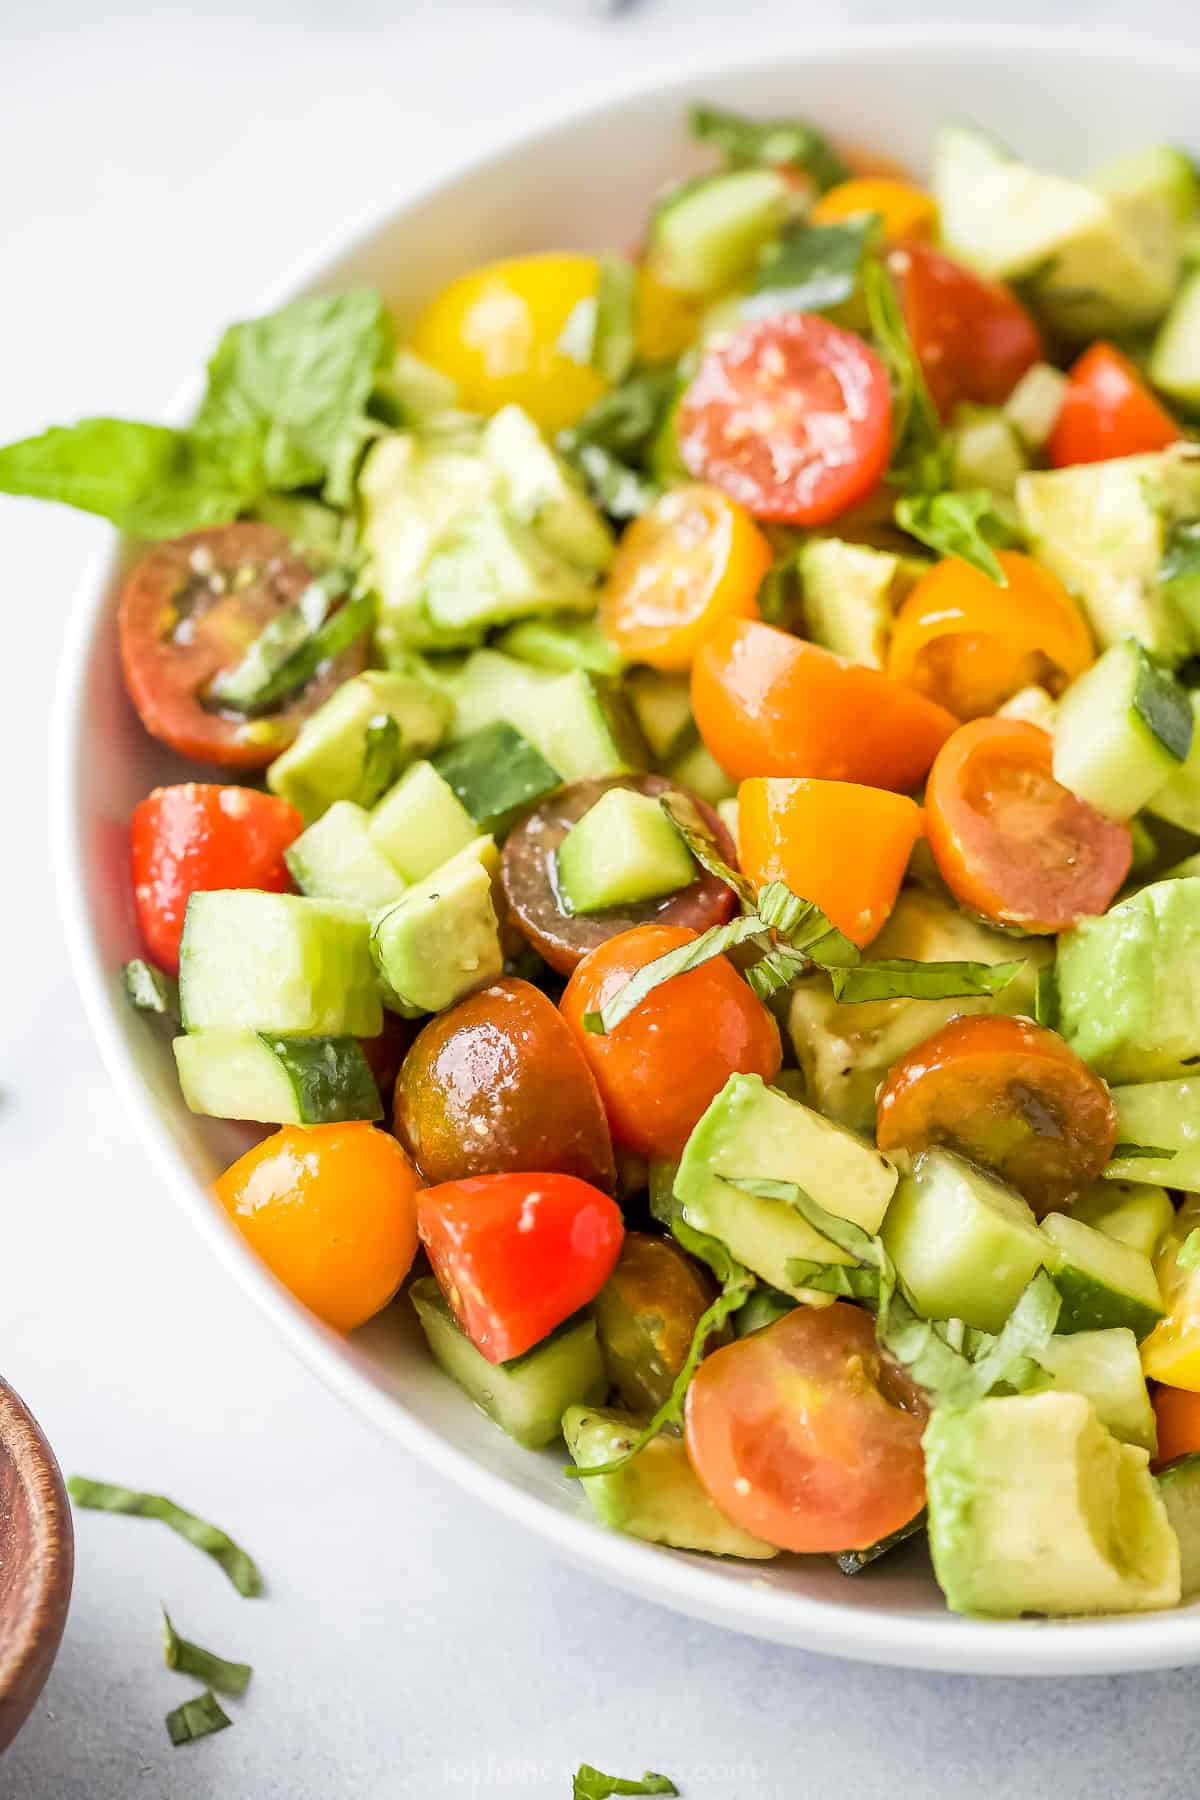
656 1495
1166 1116
698 770
1179 1487
414 390
707 235
582 725
326 761
749 1132
1180 572
441 939
1178 800
276 1080
662 705
1102 1282
1104 1366
849 594
1122 729
986 449
560 642
420 823
277 963
527 1396
336 859
1136 1213
622 851
1129 987
495 774
965 1244
1175 358
1162 172
1033 407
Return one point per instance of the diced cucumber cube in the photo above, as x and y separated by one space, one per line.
415 389
496 774
582 725
1104 1366
277 963
276 1080
1175 359
1034 705
561 642
489 568
442 938
708 235
698 770
622 851
1161 172
1102 1282
420 823
1166 1116
326 761
1035 403
987 451
849 596
662 704
336 859
1178 800
1122 729
1134 1212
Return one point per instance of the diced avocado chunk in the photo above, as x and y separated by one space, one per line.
751 1131
966 1245
1179 1486
1136 1213
662 705
656 1495
1035 1508
441 939
414 390
337 859
581 724
987 450
537 488
1102 527
276 1080
698 770
1129 984
1035 403
1163 1115
622 851
1102 1282
1178 800
561 642
1175 358
527 1396
411 496
850 592
420 824
707 235
1171 1353
1122 731
846 1050
1104 1366
326 761
279 963
489 568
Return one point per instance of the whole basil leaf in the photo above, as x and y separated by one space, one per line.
965 525
149 480
811 267
749 143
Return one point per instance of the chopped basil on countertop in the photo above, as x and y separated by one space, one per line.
192 1659
104 1496
196 1718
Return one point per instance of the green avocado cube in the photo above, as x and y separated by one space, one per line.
441 939
1105 1367
1129 984
335 859
622 851
420 824
656 1495
1035 1508
326 761
1102 1282
1179 1485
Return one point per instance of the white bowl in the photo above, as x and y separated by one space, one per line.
581 175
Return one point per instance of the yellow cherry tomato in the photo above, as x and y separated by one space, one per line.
1171 1353
695 558
332 1211
496 332
667 321
907 211
968 643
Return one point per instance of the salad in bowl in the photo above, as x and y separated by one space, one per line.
690 875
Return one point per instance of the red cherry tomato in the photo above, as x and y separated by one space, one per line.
1107 411
660 1067
791 417
807 1435
515 1255
196 836
973 337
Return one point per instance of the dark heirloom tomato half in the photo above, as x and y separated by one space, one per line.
646 1316
498 1083
528 875
973 337
805 1434
1011 1096
190 609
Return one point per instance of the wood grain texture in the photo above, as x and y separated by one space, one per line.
37 1560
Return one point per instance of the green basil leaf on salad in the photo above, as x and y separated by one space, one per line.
749 143
217 1672
1163 705
609 446
291 647
383 759
811 267
853 1562
105 1496
149 480
617 488
693 828
921 451
965 525
601 330
899 978
197 1718
593 1784
1045 997
713 942
1140 1153
149 990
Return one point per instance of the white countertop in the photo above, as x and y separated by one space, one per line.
159 167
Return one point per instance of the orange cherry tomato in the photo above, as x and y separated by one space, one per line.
667 321
1107 410
807 1435
971 644
906 210
1009 1095
660 1067
768 703
1177 1413
332 1211
843 846
1011 842
695 558
861 161
973 337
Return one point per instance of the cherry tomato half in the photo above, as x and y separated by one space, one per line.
1107 410
646 1316
905 210
192 837
973 337
332 1211
1009 1095
660 1067
190 609
515 1255
768 703
1012 843
497 1084
791 417
807 1435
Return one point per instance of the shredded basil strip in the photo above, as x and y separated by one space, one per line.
964 524
921 452
1141 1153
104 1496
217 1672
593 1784
900 979
853 1562
196 1718
610 445
272 672
150 990
710 943
811 267
1045 997
383 758
772 143
1163 705
693 828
